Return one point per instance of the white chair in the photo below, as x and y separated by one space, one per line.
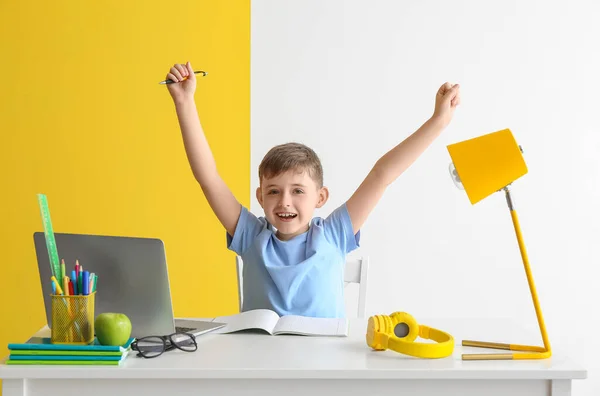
356 271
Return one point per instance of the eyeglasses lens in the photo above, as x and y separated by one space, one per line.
150 346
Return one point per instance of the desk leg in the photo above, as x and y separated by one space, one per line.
14 387
561 388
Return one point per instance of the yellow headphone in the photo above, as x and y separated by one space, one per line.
398 333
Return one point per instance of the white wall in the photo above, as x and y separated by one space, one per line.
354 78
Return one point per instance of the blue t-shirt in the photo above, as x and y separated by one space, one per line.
301 276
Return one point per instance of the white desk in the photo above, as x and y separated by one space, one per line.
256 364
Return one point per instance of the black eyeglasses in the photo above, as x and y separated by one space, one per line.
153 346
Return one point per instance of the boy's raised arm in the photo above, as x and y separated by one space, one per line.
220 198
397 160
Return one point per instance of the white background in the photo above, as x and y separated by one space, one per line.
352 79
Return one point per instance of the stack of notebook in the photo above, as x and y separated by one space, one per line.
39 350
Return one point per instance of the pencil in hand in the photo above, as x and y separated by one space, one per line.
169 81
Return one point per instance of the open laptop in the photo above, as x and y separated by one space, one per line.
132 279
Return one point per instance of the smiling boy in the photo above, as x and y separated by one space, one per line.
294 263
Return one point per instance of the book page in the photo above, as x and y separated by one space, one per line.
262 319
304 325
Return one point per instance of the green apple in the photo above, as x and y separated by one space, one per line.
112 328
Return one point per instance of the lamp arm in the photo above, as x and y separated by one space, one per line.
534 297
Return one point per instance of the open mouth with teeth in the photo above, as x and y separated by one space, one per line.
286 216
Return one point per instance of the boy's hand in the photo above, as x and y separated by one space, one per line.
446 100
185 81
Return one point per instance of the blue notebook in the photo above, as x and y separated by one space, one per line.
45 344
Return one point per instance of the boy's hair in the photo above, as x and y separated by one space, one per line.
291 156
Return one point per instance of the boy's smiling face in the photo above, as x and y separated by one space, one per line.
289 201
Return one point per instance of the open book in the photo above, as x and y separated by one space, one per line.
270 322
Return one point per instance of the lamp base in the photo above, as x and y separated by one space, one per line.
529 352
487 356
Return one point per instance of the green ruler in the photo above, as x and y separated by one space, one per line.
49 233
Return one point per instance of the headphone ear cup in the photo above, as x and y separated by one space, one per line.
403 326
378 332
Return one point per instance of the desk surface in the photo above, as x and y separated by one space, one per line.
251 355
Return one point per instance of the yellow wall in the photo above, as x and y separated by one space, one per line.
84 121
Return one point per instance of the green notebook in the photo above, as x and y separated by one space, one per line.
34 352
67 362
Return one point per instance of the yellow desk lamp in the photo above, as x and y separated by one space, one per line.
482 166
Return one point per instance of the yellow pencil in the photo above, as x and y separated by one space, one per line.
69 333
66 285
58 288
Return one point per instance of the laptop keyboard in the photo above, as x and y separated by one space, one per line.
183 329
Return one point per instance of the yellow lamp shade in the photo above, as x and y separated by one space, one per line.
487 163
